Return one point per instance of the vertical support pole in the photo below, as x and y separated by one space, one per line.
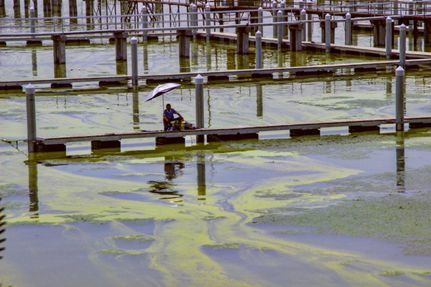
259 64
348 29
303 17
184 42
120 45
402 45
2 8
310 24
280 28
282 7
399 101
274 19
208 21
388 40
59 48
144 13
32 20
242 44
194 18
134 52
31 117
260 20
73 11
199 93
328 33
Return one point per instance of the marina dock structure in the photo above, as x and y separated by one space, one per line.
112 141
250 25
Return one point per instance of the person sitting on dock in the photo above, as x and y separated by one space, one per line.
168 117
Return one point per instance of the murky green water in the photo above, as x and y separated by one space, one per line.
245 214
155 58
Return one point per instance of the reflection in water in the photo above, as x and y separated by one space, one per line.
145 57
173 168
259 101
230 59
60 71
209 107
136 110
121 67
401 164
243 62
389 81
208 55
33 188
184 65
195 52
34 61
202 187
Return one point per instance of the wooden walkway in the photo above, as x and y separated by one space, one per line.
304 71
295 129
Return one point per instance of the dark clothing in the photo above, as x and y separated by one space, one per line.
170 116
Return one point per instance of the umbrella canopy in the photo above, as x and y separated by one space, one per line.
161 90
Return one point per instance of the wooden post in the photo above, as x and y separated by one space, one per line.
274 19
59 48
399 98
402 45
280 35
194 18
348 29
208 21
260 20
327 33
120 45
259 62
184 36
73 11
31 117
32 21
2 8
199 94
134 53
379 27
310 24
389 37
144 13
296 36
242 33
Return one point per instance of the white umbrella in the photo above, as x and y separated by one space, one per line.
161 90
